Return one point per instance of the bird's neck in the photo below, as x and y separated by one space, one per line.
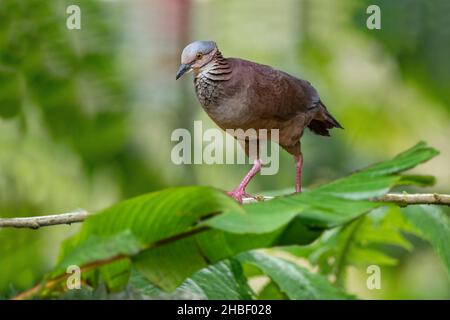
218 69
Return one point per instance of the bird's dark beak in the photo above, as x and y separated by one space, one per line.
182 70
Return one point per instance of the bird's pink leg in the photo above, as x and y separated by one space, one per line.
298 176
239 192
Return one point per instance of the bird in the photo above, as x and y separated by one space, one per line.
241 94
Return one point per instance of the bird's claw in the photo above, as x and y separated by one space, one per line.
239 195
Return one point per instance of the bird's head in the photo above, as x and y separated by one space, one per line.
195 56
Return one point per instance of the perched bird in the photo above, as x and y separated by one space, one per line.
240 94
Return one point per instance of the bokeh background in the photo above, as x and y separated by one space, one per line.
86 115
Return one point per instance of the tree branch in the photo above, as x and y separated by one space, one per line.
78 215
404 199
401 199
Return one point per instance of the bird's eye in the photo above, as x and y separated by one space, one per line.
199 55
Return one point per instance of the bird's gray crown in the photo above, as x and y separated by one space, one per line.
195 47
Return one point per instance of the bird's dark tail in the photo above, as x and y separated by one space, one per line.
323 122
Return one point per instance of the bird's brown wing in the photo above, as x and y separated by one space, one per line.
284 97
280 95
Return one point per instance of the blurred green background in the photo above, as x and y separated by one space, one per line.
86 115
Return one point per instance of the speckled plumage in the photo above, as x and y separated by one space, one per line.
207 84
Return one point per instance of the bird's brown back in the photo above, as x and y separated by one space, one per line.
258 96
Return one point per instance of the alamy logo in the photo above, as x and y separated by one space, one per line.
224 148
374 280
73 21
74 280
374 20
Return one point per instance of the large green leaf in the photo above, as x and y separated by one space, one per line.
295 281
221 281
360 243
224 280
152 218
97 248
166 227
434 226
377 179
331 204
182 230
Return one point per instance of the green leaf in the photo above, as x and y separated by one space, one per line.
167 226
365 256
403 161
271 292
116 274
182 230
434 226
328 205
152 218
360 243
295 281
377 179
421 181
221 281
159 215
316 209
97 248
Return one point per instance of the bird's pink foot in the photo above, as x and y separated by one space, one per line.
239 195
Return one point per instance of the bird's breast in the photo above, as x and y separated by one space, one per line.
207 90
224 98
